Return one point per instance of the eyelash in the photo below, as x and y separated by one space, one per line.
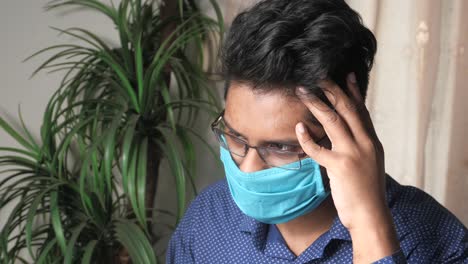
278 146
284 147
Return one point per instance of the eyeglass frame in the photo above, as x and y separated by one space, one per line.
247 147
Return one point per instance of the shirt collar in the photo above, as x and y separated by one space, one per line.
252 226
259 231
248 224
338 231
256 229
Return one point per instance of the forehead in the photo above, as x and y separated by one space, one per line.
266 115
243 96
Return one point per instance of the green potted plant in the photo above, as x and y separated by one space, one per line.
84 193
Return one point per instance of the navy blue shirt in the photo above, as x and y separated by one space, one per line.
214 230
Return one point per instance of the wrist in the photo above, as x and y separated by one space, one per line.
370 215
374 237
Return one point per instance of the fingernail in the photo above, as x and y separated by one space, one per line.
352 77
300 128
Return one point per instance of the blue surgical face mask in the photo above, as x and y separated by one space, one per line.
275 195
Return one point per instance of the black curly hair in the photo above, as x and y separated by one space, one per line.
281 44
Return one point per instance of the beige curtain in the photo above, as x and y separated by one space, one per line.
418 95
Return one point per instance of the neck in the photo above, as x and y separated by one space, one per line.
302 231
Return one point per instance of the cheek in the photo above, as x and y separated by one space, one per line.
237 160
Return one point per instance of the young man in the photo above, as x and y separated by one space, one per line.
305 177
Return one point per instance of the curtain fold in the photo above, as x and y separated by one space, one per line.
418 95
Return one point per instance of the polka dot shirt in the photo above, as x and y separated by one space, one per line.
214 230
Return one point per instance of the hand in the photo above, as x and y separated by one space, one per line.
354 164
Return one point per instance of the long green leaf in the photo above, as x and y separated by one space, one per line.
167 102
170 149
141 181
12 132
108 11
60 46
205 143
98 43
60 55
135 241
163 48
32 214
28 134
139 69
104 53
71 250
189 149
126 150
154 71
131 183
124 34
18 161
123 78
45 252
56 221
88 252
20 151
85 199
109 150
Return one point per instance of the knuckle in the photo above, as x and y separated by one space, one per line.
332 117
312 147
372 147
352 107
367 144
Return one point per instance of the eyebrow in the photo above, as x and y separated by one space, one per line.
232 129
291 142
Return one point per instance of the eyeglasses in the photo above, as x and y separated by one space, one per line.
274 155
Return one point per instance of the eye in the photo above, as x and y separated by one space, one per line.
283 147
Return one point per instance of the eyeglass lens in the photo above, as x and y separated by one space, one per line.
239 148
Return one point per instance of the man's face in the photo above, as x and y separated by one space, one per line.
265 119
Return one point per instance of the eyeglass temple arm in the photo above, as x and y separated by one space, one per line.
217 120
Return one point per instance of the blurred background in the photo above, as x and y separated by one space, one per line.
418 95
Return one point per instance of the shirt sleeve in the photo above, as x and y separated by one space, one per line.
396 258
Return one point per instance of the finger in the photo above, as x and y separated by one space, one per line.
316 152
362 109
354 88
332 123
346 107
